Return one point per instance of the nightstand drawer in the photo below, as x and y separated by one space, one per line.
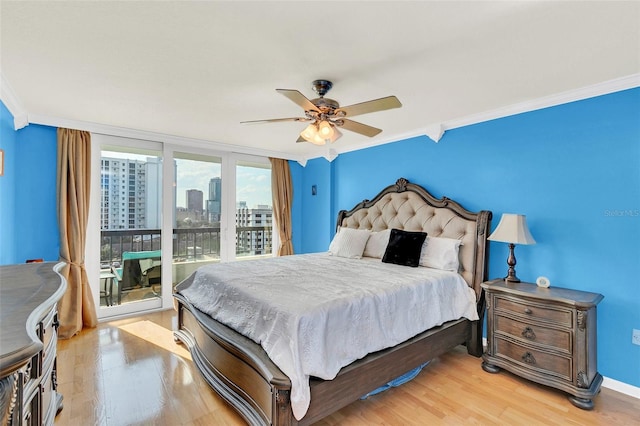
533 359
554 339
557 316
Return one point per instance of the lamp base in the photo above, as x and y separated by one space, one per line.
511 261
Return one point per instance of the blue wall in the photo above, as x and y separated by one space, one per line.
574 170
316 224
7 188
28 218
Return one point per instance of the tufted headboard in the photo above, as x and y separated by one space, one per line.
410 207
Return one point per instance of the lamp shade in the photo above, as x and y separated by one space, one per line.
335 135
320 133
310 132
512 229
325 129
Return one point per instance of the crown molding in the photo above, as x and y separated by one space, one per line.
330 155
157 137
592 91
10 100
435 131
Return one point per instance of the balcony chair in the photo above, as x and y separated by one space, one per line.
139 269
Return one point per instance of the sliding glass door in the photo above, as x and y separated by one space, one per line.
129 216
254 212
158 212
197 213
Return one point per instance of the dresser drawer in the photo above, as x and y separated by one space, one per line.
48 395
49 351
47 328
533 359
31 415
535 311
29 375
552 338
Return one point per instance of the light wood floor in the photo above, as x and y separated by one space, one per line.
131 372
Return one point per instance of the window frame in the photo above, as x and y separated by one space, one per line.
166 151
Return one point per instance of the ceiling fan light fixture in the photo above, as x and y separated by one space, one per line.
321 133
318 140
325 129
326 115
336 135
310 132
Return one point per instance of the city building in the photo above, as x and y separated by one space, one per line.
214 201
130 192
253 229
194 201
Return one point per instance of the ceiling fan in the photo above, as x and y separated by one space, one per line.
326 115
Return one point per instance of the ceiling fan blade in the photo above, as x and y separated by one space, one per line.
275 120
363 129
299 99
370 106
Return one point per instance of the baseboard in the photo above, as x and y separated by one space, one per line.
621 387
119 316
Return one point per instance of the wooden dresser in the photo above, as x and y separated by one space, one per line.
29 295
547 335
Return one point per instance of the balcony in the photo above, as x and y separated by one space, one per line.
192 248
189 244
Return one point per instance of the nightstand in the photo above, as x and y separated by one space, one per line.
547 335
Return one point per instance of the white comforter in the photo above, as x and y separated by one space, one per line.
315 313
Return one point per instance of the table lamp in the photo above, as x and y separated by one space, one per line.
512 229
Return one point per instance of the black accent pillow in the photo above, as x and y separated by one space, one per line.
404 247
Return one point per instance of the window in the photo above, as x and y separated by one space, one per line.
253 199
126 275
194 208
198 212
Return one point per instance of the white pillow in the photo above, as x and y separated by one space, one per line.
349 242
440 253
377 244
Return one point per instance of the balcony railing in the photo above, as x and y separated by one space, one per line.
188 243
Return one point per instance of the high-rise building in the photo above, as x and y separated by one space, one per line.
214 201
194 200
130 191
254 241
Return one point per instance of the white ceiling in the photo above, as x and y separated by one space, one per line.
194 70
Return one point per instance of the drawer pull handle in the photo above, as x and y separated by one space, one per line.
528 311
528 358
528 333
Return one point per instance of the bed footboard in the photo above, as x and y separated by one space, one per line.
235 367
242 374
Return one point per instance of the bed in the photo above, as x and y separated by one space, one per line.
241 371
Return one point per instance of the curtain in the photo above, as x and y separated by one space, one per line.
76 309
282 193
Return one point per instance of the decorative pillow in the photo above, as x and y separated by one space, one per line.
377 244
404 247
441 253
349 242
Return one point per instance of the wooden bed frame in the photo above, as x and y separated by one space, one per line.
240 371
